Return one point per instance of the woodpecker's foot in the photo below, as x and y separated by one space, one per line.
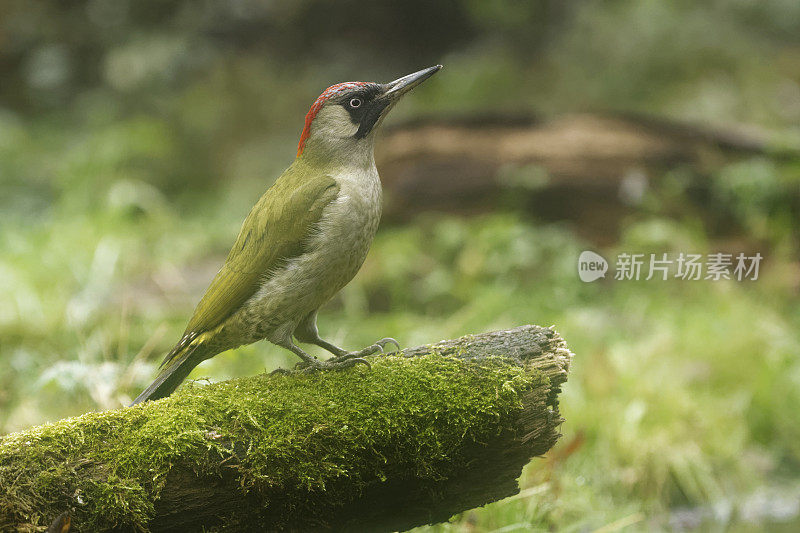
330 364
388 340
372 349
309 366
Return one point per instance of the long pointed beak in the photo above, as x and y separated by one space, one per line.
392 91
397 88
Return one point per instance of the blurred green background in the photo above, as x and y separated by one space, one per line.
136 135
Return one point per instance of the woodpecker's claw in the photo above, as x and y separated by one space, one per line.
331 364
346 360
388 340
372 349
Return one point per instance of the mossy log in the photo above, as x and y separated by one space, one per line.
423 434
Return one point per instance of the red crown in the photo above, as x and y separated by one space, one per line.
320 101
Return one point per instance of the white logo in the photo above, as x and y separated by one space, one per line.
591 266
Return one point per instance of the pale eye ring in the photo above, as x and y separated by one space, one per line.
355 102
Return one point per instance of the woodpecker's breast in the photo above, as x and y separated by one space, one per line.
344 234
334 253
349 224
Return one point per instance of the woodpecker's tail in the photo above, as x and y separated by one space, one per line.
173 373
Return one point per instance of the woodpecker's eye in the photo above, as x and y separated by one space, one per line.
355 102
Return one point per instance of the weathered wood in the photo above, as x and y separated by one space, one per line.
492 397
590 169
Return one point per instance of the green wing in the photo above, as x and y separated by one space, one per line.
276 230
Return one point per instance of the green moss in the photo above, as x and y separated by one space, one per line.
405 415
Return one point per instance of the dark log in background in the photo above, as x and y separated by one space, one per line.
591 170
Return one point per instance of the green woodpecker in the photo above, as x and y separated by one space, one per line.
303 241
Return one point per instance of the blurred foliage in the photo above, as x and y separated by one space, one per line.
134 137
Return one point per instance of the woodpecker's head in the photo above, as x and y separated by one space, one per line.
344 118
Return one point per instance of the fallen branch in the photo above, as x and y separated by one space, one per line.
422 435
589 169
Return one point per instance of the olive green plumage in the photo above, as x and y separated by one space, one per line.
273 233
302 242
